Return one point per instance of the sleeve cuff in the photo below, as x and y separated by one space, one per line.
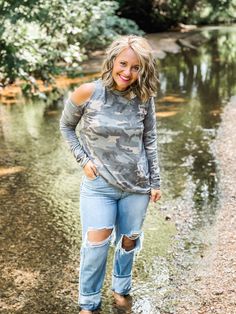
84 161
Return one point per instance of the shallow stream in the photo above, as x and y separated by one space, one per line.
40 186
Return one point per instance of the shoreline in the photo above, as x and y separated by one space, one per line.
208 285
162 43
211 286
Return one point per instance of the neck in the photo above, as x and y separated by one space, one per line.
122 92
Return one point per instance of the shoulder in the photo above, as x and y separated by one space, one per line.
148 103
83 93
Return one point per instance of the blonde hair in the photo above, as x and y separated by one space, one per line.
147 82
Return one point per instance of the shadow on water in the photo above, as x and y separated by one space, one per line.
40 186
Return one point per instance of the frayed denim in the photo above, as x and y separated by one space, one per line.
103 206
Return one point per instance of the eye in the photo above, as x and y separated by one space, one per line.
136 68
122 63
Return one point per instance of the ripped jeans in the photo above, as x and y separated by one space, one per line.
103 206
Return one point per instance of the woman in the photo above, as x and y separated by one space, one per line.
117 148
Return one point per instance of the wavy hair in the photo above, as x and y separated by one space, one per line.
147 82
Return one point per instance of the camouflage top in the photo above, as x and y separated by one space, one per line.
118 135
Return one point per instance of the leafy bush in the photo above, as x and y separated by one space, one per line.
41 39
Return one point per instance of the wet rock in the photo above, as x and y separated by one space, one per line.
186 43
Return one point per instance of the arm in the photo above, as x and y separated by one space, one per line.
150 145
71 115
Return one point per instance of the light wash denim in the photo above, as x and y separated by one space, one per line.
103 206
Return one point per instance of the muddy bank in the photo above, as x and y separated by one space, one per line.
211 284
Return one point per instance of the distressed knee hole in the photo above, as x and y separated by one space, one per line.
98 237
128 243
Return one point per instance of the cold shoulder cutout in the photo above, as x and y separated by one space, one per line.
82 94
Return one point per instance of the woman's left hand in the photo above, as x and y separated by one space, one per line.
155 195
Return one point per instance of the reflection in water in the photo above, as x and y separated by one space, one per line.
206 79
40 186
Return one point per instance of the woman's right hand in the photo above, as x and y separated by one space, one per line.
90 170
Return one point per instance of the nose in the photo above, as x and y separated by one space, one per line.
127 71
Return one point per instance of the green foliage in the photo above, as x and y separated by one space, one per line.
41 39
218 11
159 15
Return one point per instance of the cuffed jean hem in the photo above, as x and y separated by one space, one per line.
121 284
90 302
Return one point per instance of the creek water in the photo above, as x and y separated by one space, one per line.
40 188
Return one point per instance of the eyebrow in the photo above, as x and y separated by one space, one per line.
122 60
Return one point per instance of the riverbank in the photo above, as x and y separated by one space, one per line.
212 282
39 187
162 43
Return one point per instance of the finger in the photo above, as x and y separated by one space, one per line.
92 166
152 198
155 197
94 169
89 171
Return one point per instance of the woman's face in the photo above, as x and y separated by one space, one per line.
125 69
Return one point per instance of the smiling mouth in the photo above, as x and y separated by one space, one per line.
124 79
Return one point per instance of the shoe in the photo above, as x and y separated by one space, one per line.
122 301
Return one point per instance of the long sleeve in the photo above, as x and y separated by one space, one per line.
150 144
71 116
